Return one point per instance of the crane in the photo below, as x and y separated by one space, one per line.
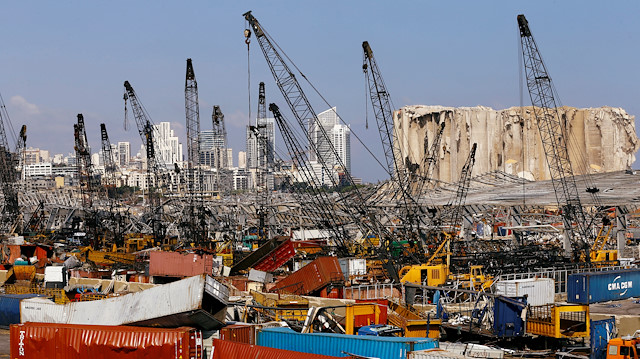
265 162
8 174
303 111
192 111
381 102
83 162
220 148
110 168
148 136
554 136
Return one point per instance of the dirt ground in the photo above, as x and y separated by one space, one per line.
4 343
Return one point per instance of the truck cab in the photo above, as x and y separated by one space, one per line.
626 347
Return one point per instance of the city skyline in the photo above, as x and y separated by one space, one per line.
430 63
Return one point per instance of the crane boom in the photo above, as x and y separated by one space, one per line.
83 162
554 137
147 132
110 168
8 174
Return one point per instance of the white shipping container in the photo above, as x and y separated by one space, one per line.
539 291
352 267
433 354
54 274
260 276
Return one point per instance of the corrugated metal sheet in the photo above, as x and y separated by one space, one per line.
539 291
174 264
335 344
40 340
187 302
223 349
601 332
257 255
277 258
595 287
312 277
10 308
434 354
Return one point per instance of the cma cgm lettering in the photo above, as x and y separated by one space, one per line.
589 287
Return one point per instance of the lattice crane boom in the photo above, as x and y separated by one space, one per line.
8 174
83 162
554 137
110 167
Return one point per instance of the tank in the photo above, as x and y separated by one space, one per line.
596 287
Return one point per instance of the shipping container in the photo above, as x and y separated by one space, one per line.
507 316
434 354
336 344
223 349
276 258
24 272
198 301
596 287
312 277
174 264
368 319
66 341
539 291
239 333
255 256
260 276
10 308
353 267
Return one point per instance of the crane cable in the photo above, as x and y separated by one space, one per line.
247 40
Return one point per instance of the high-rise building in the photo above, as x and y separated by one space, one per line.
168 146
124 154
242 159
337 134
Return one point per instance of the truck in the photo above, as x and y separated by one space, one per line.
626 347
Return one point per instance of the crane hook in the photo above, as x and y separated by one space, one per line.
247 35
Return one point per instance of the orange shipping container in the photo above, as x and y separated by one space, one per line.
174 264
67 341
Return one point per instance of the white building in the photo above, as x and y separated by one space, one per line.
168 146
242 159
260 152
338 136
37 169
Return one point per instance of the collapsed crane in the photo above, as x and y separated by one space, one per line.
148 135
554 137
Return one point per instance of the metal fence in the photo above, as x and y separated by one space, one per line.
560 276
369 291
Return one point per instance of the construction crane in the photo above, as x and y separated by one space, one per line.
110 168
220 148
381 103
192 111
148 136
8 175
265 158
83 162
303 111
554 141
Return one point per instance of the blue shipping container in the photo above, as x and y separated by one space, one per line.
10 308
596 287
337 344
601 331
507 316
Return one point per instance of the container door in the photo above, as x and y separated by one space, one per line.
601 332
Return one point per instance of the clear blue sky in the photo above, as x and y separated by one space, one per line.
60 58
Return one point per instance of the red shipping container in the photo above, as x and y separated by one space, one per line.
223 349
312 277
239 333
67 341
276 258
364 320
332 292
174 264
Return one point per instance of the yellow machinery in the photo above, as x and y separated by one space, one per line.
598 253
414 326
286 306
555 321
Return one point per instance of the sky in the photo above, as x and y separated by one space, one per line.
61 58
